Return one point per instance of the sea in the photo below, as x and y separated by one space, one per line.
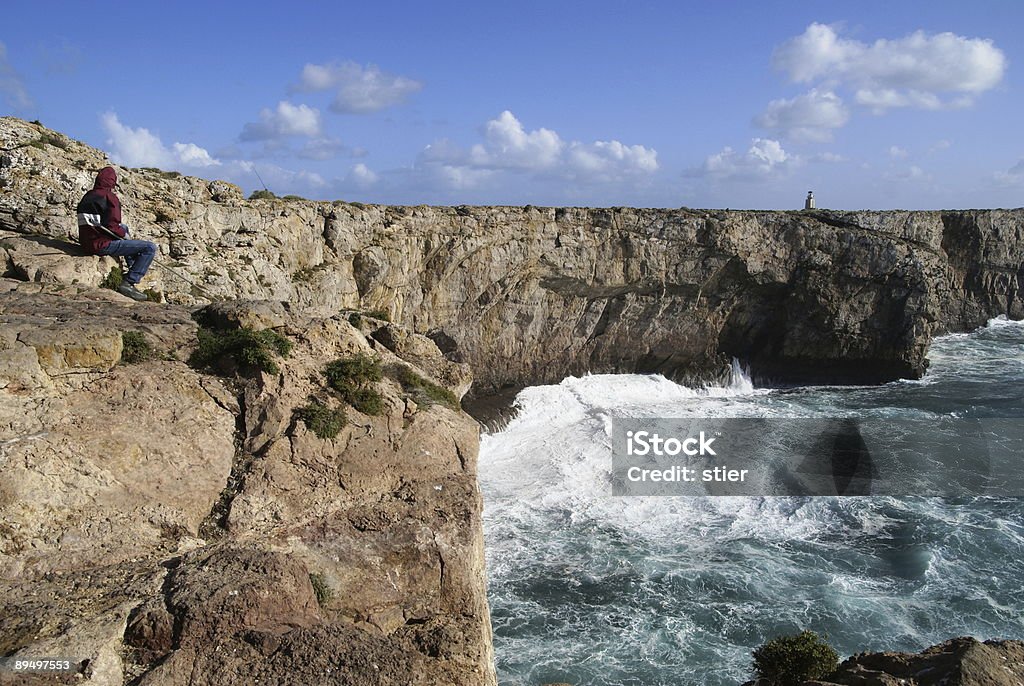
595 590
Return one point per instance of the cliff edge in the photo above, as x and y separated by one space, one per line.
163 523
527 295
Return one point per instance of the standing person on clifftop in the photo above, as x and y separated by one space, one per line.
101 232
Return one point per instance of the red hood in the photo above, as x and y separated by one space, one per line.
106 179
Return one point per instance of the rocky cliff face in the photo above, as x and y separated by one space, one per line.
163 525
960 662
528 295
167 526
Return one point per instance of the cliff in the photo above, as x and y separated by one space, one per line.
961 661
527 295
172 526
166 524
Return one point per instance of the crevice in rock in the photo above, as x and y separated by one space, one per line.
458 453
441 563
214 526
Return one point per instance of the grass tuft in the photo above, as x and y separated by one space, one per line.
113 279
135 347
353 379
424 390
243 348
323 421
323 592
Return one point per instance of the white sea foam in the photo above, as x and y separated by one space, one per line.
1002 321
594 589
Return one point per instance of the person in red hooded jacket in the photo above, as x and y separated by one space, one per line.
101 232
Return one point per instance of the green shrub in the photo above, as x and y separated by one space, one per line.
323 592
262 195
322 420
424 390
293 198
49 139
245 348
355 319
791 660
153 295
113 278
379 314
353 378
367 401
135 348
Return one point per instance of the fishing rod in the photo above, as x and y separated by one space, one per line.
260 178
163 266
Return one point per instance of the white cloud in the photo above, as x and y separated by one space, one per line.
881 100
280 180
1012 177
764 159
911 173
611 158
827 157
191 155
808 117
938 145
898 153
358 89
362 176
285 120
139 147
913 71
327 148
15 94
509 147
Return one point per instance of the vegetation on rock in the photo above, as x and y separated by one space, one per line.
323 592
323 421
49 139
262 195
791 660
113 278
424 390
135 348
356 318
353 378
242 348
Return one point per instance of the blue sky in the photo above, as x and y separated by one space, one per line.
738 104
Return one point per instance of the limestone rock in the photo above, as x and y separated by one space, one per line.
528 295
959 662
166 526
44 259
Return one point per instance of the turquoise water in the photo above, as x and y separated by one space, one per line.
600 591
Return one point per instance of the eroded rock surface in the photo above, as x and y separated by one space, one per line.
163 525
528 295
959 662
167 526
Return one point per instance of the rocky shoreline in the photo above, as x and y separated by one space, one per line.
168 525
